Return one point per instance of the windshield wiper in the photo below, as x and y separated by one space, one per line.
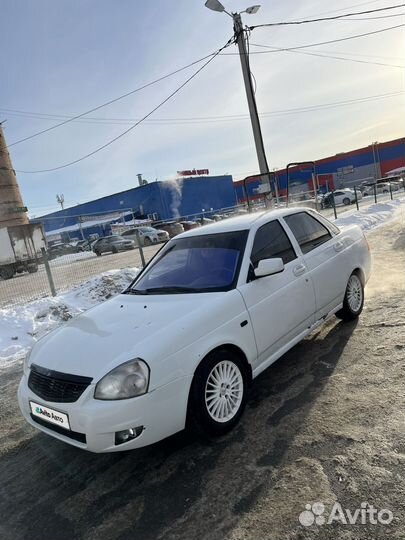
171 289
134 291
164 290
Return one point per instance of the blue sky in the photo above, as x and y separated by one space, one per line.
63 57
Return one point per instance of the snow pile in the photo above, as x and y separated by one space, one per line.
21 326
72 257
372 216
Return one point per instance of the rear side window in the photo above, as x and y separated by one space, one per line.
271 241
328 224
308 231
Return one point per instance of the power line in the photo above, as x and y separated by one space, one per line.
320 19
355 36
111 141
278 49
111 101
340 9
225 118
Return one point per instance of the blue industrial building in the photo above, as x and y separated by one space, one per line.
157 201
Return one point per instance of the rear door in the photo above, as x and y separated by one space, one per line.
281 306
325 254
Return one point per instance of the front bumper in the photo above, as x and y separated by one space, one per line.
161 412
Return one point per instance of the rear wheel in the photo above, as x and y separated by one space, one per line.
7 272
147 241
346 201
353 300
32 268
114 250
218 394
98 253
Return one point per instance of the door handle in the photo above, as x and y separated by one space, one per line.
339 246
300 269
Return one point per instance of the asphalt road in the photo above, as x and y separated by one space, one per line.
325 423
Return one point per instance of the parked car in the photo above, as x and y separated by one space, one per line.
180 346
83 245
112 244
147 235
60 248
382 187
206 221
188 225
344 196
172 227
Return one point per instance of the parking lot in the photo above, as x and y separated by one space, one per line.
67 271
72 269
323 424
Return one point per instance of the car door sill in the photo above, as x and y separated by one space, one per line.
275 356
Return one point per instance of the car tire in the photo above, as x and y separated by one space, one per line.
346 201
147 241
98 253
218 394
354 299
385 191
7 272
32 268
114 250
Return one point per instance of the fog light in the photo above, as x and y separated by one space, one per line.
127 435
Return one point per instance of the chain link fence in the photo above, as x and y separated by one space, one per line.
62 272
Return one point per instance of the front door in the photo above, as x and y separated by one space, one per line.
281 306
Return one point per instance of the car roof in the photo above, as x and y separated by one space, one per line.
242 223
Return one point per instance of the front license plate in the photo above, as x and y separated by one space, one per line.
50 415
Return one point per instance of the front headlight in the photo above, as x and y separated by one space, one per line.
125 381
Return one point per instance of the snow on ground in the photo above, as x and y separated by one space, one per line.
374 215
21 326
72 257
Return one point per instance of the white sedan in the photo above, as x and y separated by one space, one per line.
344 196
180 347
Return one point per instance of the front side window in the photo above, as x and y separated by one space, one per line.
308 231
271 241
205 263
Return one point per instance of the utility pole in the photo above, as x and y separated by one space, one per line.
215 5
247 78
60 199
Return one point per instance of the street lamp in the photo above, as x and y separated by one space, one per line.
215 5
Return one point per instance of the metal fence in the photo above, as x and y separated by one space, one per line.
65 271
61 273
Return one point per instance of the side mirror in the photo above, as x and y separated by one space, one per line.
267 267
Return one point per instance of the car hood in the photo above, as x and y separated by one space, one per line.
150 327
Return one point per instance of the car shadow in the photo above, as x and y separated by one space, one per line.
60 492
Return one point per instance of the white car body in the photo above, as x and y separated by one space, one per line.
173 333
346 196
147 235
380 187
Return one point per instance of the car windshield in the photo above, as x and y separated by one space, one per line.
205 263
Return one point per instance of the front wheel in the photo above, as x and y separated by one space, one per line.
353 300
218 394
147 241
